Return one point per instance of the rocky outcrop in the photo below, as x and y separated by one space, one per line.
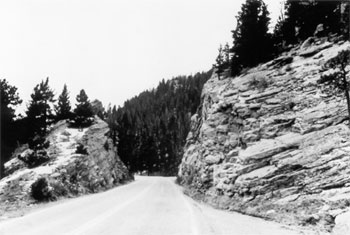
271 144
68 172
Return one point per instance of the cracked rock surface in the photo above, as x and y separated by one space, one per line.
277 149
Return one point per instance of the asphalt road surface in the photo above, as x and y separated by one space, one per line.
148 206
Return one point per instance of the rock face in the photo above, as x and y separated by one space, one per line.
68 173
269 143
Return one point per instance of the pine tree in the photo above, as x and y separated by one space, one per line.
9 99
220 62
83 111
252 43
111 119
227 51
63 109
39 111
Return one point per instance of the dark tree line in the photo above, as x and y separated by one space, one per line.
254 44
40 114
151 128
299 19
9 100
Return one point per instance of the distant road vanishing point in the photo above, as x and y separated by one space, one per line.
148 206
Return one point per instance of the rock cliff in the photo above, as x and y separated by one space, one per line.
69 171
270 143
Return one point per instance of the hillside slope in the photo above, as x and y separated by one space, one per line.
153 126
269 143
67 172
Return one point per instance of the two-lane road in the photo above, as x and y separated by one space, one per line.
148 206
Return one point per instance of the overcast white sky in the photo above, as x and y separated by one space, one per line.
114 49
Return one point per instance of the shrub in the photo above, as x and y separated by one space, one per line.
259 83
35 158
44 190
58 190
41 190
81 149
